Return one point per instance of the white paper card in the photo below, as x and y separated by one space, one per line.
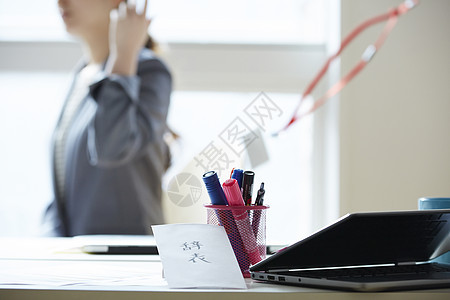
197 256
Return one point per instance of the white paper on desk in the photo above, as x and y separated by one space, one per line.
197 256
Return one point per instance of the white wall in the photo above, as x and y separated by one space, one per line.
395 116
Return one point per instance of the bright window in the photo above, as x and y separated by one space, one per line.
219 21
30 20
240 21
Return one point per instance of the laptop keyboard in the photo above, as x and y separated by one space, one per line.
372 272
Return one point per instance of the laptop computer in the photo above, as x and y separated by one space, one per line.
367 252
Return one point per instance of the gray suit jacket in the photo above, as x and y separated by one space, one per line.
116 155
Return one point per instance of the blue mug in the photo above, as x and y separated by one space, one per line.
436 203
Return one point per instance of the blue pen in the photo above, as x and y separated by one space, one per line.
238 174
214 188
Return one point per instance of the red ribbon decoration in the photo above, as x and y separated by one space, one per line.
391 17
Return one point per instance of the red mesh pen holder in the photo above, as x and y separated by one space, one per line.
246 230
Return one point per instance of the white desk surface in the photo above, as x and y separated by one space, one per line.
51 268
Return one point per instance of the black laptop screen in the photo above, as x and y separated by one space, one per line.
367 239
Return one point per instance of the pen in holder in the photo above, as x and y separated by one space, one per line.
251 229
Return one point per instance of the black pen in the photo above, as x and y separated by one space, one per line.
247 186
260 197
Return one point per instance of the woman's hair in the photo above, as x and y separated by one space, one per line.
150 43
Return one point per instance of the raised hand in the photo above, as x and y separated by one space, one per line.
127 35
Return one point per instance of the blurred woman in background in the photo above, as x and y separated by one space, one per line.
109 153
